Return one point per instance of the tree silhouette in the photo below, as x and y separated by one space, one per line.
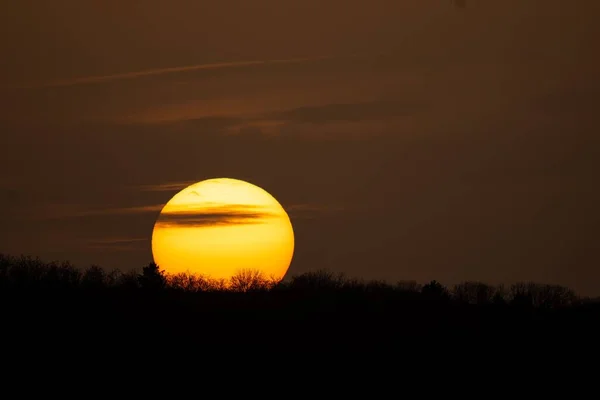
152 278
247 280
530 294
474 292
188 305
187 282
318 280
94 277
435 290
408 286
499 297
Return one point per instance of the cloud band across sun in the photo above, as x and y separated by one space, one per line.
216 216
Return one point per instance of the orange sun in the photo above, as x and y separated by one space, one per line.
219 227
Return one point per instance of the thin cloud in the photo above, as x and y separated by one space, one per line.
171 70
117 241
340 116
310 211
203 214
166 187
216 216
108 211
348 112
306 207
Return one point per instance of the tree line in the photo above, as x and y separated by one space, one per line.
26 273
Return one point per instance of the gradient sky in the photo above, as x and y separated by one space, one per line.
408 139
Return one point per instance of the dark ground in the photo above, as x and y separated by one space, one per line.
315 316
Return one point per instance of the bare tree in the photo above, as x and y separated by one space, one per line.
474 292
94 277
408 286
540 295
435 290
246 280
318 280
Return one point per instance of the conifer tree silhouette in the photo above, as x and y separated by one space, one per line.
152 278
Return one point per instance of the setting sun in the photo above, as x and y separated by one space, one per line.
219 227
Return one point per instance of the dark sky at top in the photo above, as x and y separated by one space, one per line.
408 139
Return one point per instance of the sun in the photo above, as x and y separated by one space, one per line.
218 227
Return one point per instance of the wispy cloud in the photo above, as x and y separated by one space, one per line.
350 112
165 187
332 117
311 211
71 212
118 240
196 215
307 208
171 70
216 216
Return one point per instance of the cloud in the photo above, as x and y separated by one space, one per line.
206 213
288 121
117 240
347 112
171 70
125 210
216 216
196 215
311 211
182 117
72 212
306 208
166 187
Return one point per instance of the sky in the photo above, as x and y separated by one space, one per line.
407 139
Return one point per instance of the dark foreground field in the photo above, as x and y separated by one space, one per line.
49 305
